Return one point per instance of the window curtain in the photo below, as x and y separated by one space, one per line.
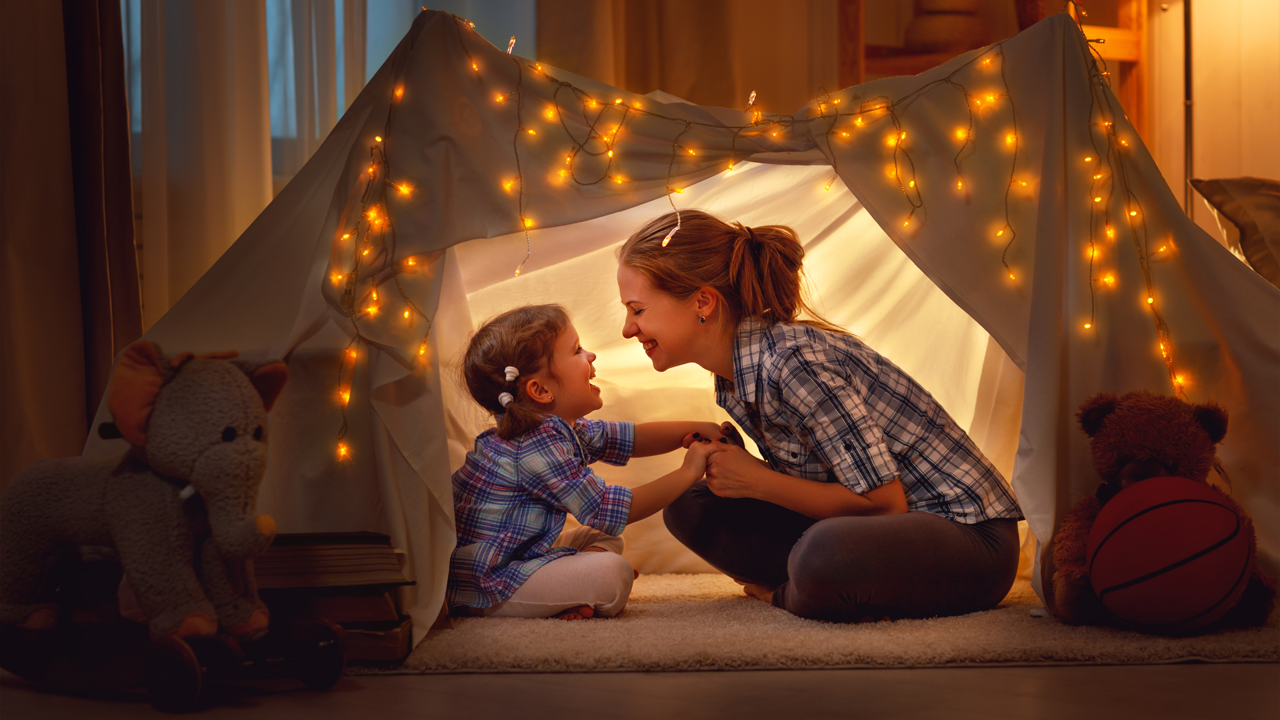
69 278
714 52
206 139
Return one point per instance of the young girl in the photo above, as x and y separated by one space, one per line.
527 367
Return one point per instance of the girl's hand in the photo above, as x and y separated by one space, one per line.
695 460
732 472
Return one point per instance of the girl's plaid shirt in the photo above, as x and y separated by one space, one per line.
510 500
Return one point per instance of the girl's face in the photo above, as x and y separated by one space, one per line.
667 328
570 378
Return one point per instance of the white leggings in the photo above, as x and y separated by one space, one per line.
599 580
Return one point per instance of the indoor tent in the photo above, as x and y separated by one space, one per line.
994 226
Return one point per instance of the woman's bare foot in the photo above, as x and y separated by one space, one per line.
582 612
759 592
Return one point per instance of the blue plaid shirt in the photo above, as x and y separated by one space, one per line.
823 406
510 499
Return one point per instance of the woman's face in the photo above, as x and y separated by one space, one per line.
667 328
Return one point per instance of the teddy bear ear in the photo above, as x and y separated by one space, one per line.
1094 411
269 381
135 383
1213 419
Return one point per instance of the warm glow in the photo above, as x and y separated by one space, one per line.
1000 232
1132 213
502 98
406 314
610 153
1010 139
351 353
366 251
1089 159
377 138
410 261
676 190
346 397
344 237
858 121
375 294
531 131
475 67
1088 325
1150 300
342 451
1111 232
1109 279
692 152
404 188
844 134
506 184
1097 199
372 309
891 171
891 140
399 92
991 98
911 184
618 179
959 184
961 134
528 223
551 114
336 278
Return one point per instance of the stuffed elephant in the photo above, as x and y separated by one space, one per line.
178 508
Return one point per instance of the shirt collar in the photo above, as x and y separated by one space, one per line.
747 353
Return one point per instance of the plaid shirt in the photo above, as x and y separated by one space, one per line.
823 406
510 499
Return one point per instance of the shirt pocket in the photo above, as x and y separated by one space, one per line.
794 458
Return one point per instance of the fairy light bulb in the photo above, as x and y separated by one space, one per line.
528 223
1000 232
1111 232
410 261
911 184
347 235
1089 158
550 113
346 397
511 44
506 185
1109 279
891 140
377 138
1088 325
1097 199
531 131
610 153
343 452
404 188
351 354
1010 139
1151 300
375 294
475 67
336 278
1133 213
406 314
858 121
961 134
502 98
959 184
399 91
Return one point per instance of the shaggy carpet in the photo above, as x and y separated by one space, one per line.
704 622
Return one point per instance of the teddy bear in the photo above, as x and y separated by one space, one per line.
1133 437
177 510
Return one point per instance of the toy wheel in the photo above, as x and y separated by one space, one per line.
173 675
322 655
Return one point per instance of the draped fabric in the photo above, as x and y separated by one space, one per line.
70 273
966 287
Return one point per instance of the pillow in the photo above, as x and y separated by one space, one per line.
1252 205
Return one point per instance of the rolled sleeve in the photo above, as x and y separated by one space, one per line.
606 441
828 412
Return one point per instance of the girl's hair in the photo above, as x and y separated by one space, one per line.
523 338
756 271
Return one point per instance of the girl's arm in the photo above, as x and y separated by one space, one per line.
657 438
653 496
736 473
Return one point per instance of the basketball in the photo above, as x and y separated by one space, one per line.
1168 556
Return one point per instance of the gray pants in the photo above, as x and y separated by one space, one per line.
850 568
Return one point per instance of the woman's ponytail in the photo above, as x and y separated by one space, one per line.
757 271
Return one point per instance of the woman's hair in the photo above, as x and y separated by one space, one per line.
523 338
756 271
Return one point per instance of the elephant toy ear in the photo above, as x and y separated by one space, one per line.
269 381
135 383
1094 411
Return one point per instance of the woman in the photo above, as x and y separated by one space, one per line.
871 501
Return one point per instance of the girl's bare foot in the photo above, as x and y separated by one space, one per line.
582 612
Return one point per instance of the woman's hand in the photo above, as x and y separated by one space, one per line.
695 459
710 431
733 472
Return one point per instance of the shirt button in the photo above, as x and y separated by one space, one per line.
795 455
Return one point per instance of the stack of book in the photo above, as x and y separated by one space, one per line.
346 578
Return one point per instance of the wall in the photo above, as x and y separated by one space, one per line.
1236 92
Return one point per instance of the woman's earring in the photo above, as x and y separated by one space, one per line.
703 319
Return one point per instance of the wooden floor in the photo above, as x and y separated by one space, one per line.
1238 692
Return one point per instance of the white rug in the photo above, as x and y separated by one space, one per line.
704 622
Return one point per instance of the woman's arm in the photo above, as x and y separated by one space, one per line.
736 473
657 438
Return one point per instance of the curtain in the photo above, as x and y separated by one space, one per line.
69 276
714 52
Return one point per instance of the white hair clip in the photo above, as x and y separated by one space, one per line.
512 373
505 399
